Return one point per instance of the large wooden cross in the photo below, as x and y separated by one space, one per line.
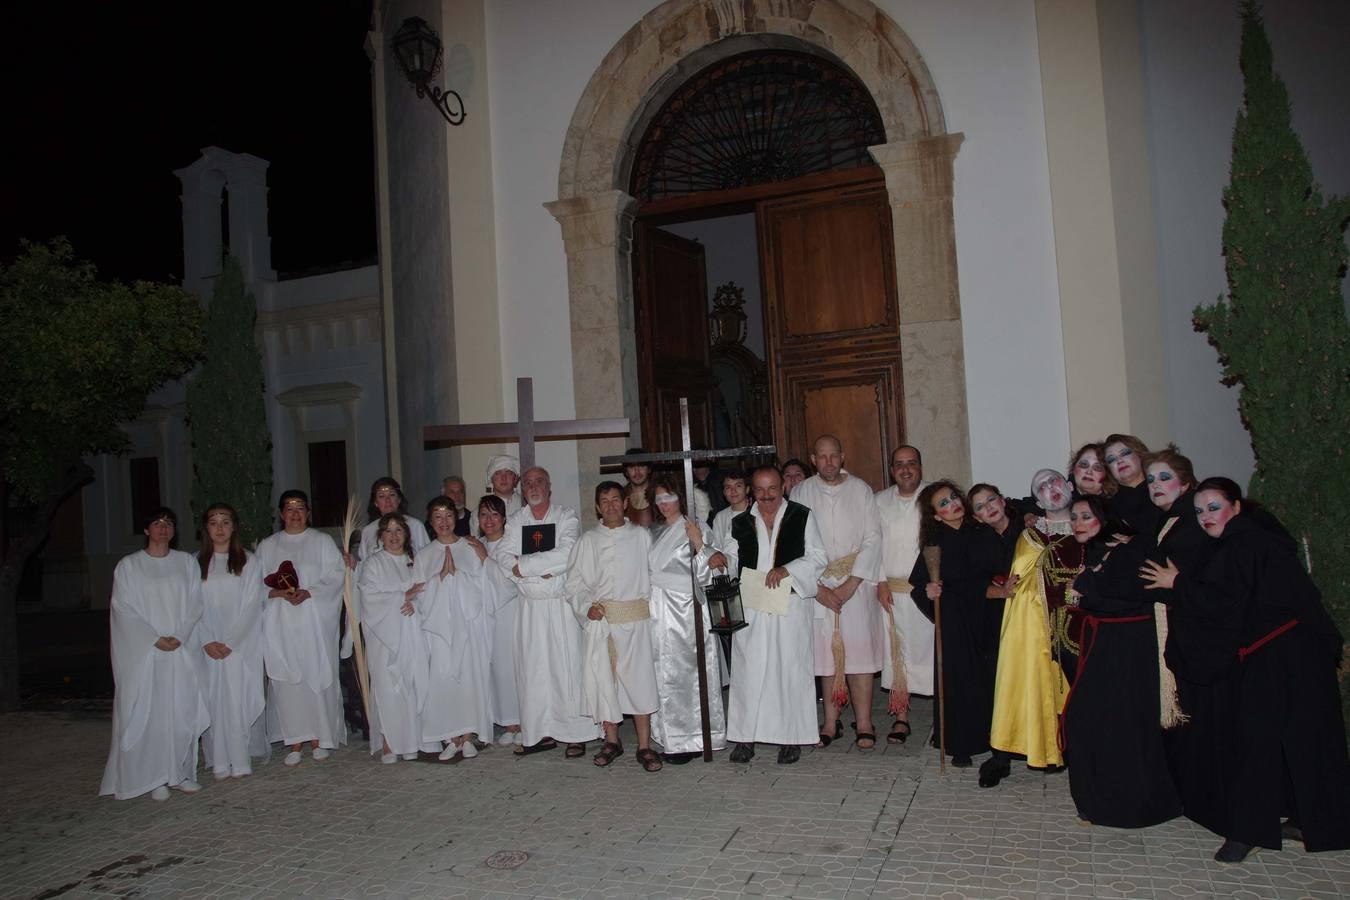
687 454
525 431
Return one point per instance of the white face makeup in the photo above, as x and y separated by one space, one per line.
1124 464
947 507
1085 525
988 507
1164 487
1214 511
1053 493
1088 473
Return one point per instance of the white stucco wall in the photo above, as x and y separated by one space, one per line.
1193 94
984 61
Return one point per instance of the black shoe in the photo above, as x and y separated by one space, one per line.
1233 851
743 753
994 770
789 754
1291 831
679 759
962 762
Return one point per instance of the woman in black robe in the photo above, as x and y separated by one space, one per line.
1130 504
1287 755
1199 654
970 621
1111 727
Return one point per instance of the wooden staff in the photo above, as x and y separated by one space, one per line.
353 623
932 560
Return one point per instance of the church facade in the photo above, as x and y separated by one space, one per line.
1049 174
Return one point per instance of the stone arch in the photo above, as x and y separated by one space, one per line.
647 64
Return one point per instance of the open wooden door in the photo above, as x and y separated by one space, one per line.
832 323
672 337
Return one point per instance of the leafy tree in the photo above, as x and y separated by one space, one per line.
231 445
1282 334
81 356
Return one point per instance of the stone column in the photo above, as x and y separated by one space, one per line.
919 181
597 235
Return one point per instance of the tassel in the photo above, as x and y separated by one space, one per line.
839 690
899 703
613 655
1169 702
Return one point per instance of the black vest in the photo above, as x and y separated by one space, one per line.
791 536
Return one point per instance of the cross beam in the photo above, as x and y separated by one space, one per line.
525 431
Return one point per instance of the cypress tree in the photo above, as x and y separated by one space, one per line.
231 446
1281 333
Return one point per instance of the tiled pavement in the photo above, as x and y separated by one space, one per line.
841 823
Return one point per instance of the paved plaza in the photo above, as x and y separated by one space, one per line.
841 823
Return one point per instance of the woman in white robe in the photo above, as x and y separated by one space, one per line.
386 496
229 638
391 589
158 712
458 707
501 599
676 541
300 634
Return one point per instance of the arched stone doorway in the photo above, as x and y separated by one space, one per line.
657 54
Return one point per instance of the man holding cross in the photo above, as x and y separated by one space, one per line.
539 539
772 697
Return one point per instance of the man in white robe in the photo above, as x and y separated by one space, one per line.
772 696
503 477
300 634
607 579
845 511
158 708
898 507
539 540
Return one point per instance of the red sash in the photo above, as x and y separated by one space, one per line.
1244 652
1090 625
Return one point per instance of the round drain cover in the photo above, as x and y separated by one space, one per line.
507 859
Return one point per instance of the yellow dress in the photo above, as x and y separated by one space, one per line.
1030 687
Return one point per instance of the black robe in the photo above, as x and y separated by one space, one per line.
1135 508
1201 654
970 632
1288 751
1113 740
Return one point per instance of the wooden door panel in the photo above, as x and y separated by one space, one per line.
672 337
832 321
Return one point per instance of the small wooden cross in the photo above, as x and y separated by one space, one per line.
526 431
687 455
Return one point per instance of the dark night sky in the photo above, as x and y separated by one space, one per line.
102 101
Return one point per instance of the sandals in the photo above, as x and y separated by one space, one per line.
826 739
540 747
576 751
609 750
896 736
860 736
648 759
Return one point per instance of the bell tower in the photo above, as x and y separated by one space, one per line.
224 208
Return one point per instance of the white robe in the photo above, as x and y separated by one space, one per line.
158 709
678 724
233 686
301 642
548 633
455 620
512 502
611 564
899 549
501 598
396 652
773 692
721 527
847 517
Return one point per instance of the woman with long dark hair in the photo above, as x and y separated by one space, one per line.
970 621
1287 755
229 638
1111 727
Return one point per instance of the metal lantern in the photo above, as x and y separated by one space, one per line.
724 605
417 47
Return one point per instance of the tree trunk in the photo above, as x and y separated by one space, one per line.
16 554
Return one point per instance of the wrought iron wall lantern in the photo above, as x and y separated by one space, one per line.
418 50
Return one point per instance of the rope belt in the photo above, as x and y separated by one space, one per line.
1090 626
1244 652
841 567
625 612
899 585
